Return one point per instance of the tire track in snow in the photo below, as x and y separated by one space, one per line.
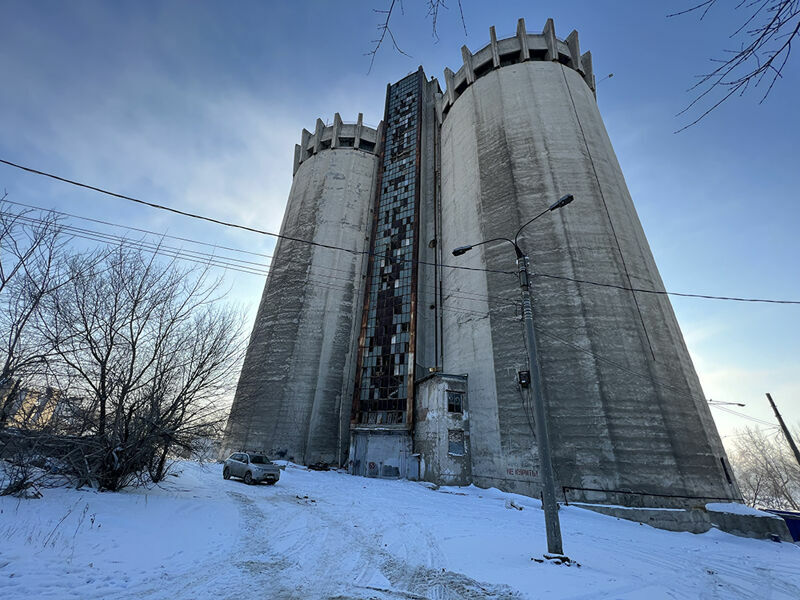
420 581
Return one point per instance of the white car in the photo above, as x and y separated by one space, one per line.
251 467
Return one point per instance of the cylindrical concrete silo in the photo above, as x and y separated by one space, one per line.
295 388
520 128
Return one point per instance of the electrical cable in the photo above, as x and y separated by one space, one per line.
666 293
87 233
175 210
121 239
219 221
744 416
147 231
744 433
167 251
358 252
211 260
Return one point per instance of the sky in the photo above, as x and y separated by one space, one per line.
198 105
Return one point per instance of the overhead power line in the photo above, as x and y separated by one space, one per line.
360 252
744 416
216 260
154 246
174 210
461 294
664 292
140 230
212 219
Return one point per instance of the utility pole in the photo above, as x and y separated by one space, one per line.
785 430
549 503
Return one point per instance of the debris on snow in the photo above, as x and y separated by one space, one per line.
511 504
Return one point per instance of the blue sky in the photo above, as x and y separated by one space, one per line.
198 105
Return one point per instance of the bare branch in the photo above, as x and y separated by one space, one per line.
770 27
384 29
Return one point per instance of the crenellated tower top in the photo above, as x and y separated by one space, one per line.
339 135
522 47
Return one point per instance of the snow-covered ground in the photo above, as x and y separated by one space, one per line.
330 535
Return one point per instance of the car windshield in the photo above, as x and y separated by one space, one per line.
259 460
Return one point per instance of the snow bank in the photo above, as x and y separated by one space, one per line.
319 535
734 508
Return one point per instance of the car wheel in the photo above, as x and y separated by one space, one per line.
248 478
226 473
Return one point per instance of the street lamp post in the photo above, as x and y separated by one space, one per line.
549 504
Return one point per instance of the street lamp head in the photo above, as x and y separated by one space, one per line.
716 402
562 202
461 250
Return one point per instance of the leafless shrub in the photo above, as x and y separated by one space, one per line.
145 355
766 470
30 261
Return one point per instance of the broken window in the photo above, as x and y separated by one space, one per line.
455 402
385 383
455 442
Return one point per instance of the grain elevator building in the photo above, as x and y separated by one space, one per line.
376 349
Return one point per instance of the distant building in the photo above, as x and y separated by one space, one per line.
28 407
398 360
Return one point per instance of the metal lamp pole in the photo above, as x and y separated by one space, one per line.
549 504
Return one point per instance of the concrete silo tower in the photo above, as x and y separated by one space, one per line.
297 380
629 423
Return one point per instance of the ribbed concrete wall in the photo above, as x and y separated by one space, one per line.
621 416
294 394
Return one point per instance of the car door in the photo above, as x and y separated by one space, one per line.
237 468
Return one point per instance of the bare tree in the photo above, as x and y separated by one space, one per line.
434 7
766 36
766 470
147 354
30 250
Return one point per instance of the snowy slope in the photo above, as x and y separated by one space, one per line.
331 535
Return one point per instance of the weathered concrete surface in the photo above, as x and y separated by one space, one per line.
699 520
622 416
294 392
428 351
339 135
544 46
434 425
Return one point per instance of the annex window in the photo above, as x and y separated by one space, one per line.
455 402
455 442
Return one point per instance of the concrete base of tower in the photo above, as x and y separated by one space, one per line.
701 519
384 452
